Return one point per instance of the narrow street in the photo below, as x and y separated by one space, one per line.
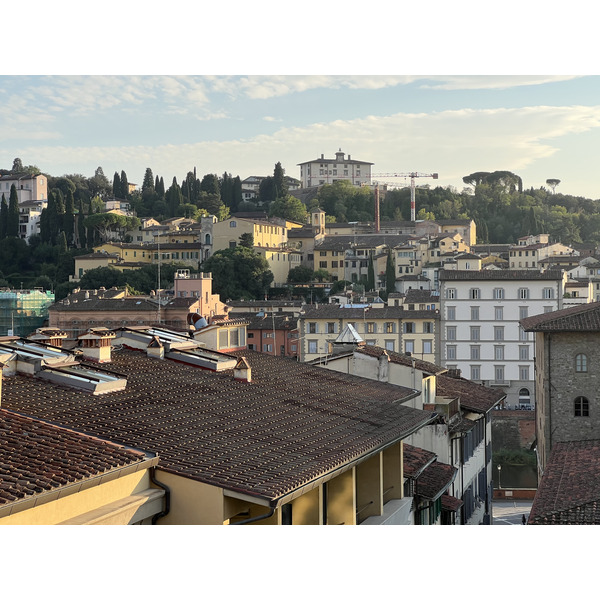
510 512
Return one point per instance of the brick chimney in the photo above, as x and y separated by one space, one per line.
96 344
242 370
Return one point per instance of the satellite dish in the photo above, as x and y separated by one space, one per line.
197 321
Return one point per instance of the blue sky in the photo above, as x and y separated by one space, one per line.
538 126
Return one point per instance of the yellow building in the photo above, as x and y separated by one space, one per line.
266 233
267 441
390 327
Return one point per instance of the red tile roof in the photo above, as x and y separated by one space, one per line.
577 318
37 457
416 460
435 480
290 426
473 396
569 491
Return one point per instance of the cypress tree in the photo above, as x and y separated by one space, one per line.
68 221
370 275
281 188
12 223
124 186
3 217
148 183
390 274
116 185
81 231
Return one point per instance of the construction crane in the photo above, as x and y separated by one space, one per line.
412 176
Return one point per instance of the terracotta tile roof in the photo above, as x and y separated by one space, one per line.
401 359
569 491
473 396
577 318
451 503
337 311
435 480
290 426
416 460
37 457
499 274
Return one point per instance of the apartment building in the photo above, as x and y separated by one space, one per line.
530 250
29 187
390 327
481 335
329 170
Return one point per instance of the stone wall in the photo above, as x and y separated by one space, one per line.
513 429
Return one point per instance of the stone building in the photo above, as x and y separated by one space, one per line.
567 376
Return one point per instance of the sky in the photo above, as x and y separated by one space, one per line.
538 127
83 100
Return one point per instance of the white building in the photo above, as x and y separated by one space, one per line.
480 332
29 187
328 170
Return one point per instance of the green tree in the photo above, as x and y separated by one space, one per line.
239 273
390 274
116 185
290 208
321 275
247 240
17 166
124 186
300 274
3 217
12 221
370 275
68 225
210 185
279 183
148 182
107 223
267 192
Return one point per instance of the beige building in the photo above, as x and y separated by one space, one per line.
329 170
29 187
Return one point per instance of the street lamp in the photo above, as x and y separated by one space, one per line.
499 484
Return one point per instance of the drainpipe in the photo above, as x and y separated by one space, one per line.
167 508
258 518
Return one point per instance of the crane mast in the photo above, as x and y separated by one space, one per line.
412 177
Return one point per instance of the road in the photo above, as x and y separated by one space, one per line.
510 512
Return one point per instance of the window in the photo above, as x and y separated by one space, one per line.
409 327
451 313
499 373
523 293
370 328
523 352
389 328
427 346
313 328
331 328
523 312
427 327
451 352
475 333
475 372
451 293
409 346
498 352
524 372
475 352
474 293
581 363
523 335
451 333
389 345
312 346
267 348
474 313
524 396
499 313
232 224
548 293
498 293
582 407
498 333
322 264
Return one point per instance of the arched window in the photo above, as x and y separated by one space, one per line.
207 239
582 407
581 363
524 396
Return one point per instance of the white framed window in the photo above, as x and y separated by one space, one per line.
475 293
524 372
475 372
451 311
548 293
389 345
474 313
312 346
581 363
409 346
451 352
499 373
312 328
498 333
523 312
450 293
475 352
523 352
499 313
428 327
523 336
498 294
475 333
498 352
451 333
523 294
427 346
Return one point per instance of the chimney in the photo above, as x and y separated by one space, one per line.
96 344
242 370
155 349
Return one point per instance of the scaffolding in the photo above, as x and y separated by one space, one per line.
23 311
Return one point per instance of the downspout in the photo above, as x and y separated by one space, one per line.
167 508
257 518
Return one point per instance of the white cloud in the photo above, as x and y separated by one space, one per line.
453 143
